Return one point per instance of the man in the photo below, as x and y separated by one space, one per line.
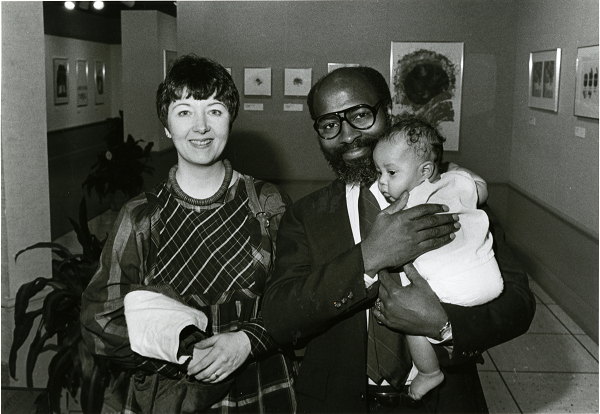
318 295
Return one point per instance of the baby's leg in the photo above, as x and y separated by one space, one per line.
426 361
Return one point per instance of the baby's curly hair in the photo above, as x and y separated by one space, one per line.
426 140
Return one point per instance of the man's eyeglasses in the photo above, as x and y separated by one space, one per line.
362 116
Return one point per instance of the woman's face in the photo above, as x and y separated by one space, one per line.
199 129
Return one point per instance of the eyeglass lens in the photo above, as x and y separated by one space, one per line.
359 117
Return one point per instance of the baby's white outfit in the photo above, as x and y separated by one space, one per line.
463 272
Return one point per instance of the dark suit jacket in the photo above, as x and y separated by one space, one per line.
318 265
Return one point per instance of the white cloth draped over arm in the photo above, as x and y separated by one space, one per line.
155 321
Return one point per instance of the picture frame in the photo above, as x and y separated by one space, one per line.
334 66
426 79
169 57
82 82
99 82
544 79
586 85
257 81
297 82
60 80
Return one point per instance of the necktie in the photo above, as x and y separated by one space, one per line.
387 352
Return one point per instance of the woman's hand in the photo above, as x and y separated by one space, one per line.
217 357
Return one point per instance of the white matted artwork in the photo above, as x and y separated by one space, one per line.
334 66
99 80
297 82
257 81
82 82
61 80
586 89
544 76
426 79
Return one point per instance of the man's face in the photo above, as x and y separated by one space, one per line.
350 152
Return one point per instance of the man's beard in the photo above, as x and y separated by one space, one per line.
360 170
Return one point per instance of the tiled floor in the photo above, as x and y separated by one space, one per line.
553 368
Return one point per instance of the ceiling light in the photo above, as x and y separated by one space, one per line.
98 5
69 5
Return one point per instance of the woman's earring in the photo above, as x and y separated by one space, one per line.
168 134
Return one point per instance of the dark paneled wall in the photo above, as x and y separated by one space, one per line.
71 154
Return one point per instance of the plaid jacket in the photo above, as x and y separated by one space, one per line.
128 262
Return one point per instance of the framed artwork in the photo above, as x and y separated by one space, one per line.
60 80
168 57
544 76
99 81
82 82
426 79
586 89
334 66
297 82
257 81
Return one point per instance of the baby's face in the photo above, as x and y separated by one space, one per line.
398 169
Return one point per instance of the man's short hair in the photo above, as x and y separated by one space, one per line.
200 77
369 75
420 134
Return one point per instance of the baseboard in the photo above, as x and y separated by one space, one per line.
560 254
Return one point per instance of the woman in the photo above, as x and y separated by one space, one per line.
190 260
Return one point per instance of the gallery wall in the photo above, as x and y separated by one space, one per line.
282 145
76 133
70 114
552 196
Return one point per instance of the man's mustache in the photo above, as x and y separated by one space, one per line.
357 143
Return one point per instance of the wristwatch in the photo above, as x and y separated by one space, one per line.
445 332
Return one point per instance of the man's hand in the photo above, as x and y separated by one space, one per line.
414 309
217 357
399 236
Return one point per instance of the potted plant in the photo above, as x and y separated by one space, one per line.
73 366
118 173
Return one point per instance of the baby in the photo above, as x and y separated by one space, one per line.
463 272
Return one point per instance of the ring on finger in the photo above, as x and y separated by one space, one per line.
378 304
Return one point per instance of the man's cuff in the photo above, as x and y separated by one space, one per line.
444 335
370 280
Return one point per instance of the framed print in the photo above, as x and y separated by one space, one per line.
334 66
168 57
61 80
426 79
82 83
544 76
297 82
586 89
99 81
257 81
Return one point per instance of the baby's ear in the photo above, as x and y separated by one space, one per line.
427 169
